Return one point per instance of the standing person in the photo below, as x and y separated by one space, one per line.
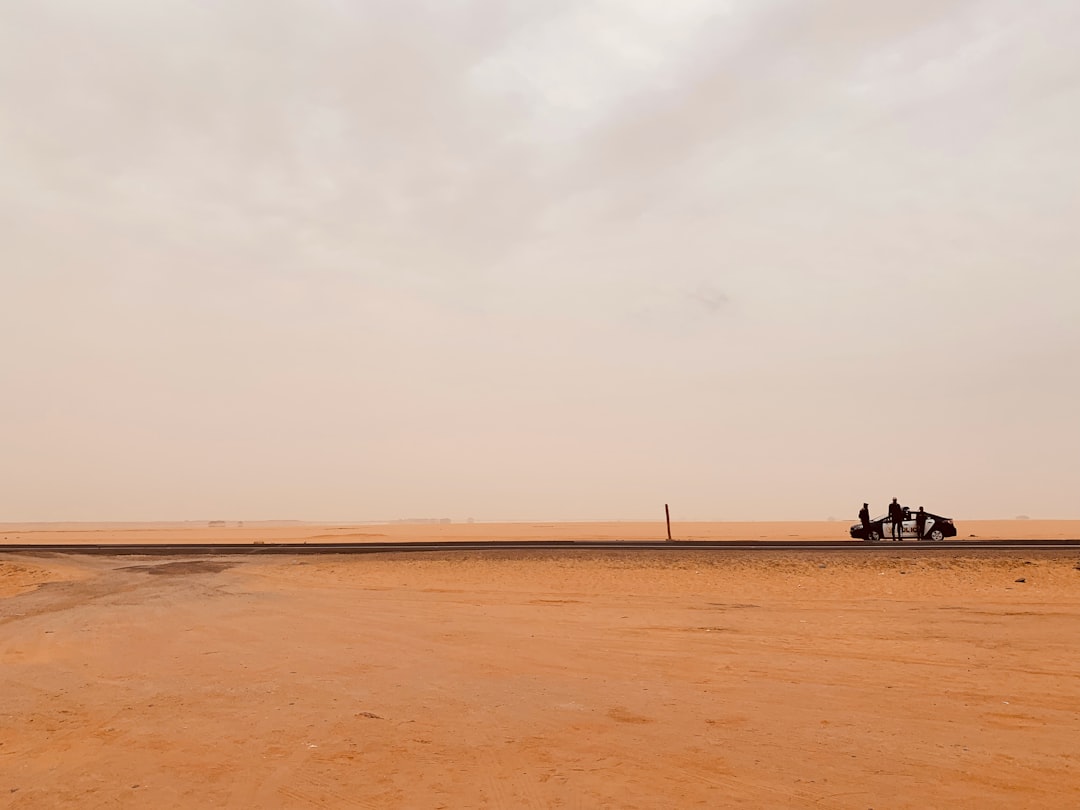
864 516
920 522
896 515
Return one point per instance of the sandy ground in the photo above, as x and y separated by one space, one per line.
536 680
72 533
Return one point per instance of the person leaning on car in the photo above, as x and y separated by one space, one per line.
864 516
896 515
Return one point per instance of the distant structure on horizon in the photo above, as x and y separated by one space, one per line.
424 521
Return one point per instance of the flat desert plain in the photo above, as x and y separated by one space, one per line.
297 532
861 679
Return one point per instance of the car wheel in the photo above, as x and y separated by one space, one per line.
873 537
937 535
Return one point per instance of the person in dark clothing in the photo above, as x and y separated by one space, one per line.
920 522
864 516
896 515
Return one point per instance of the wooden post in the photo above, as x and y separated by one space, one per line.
667 514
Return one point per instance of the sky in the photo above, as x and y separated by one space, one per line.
513 260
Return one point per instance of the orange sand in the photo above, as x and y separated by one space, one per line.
325 533
534 680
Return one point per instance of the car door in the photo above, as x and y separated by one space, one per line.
931 522
885 524
907 528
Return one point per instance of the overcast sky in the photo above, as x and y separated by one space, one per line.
555 259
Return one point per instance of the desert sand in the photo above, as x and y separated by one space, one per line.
579 679
297 532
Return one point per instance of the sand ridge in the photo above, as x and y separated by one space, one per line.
19 576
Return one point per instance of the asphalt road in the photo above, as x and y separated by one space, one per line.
839 546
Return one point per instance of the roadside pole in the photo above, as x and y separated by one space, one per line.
667 514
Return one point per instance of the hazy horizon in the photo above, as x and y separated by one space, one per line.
341 261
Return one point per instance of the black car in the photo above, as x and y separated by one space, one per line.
936 528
